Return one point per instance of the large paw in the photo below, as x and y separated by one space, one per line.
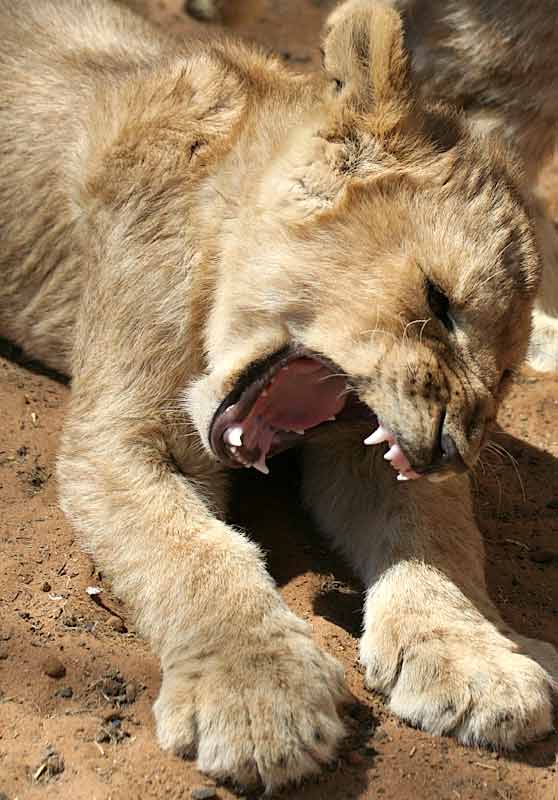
543 345
473 684
261 710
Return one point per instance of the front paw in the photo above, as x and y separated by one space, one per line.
261 710
473 683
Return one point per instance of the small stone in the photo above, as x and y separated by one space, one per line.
204 793
53 667
131 692
65 692
543 556
118 625
46 587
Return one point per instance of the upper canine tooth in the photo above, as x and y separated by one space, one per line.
380 435
233 436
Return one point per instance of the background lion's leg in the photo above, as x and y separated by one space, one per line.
543 346
433 641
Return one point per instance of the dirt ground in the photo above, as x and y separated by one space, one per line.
77 685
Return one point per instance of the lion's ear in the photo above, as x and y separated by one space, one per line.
364 55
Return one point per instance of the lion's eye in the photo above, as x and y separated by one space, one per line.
439 305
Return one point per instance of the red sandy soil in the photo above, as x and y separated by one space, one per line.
101 738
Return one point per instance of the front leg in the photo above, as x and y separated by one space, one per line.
243 683
433 642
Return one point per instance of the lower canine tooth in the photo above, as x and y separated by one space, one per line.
261 466
233 436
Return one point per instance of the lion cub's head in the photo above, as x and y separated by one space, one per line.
383 271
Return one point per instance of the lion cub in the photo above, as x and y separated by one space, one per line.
320 262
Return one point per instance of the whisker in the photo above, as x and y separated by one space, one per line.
415 322
498 448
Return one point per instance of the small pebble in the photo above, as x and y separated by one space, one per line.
131 692
54 668
46 587
118 625
65 691
204 793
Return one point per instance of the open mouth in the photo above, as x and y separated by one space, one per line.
285 397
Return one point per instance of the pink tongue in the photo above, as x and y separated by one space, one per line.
302 395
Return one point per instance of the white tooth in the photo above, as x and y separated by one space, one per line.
393 452
330 419
380 435
233 436
402 477
261 466
300 431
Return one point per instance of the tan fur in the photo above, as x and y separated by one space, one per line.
497 60
172 213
